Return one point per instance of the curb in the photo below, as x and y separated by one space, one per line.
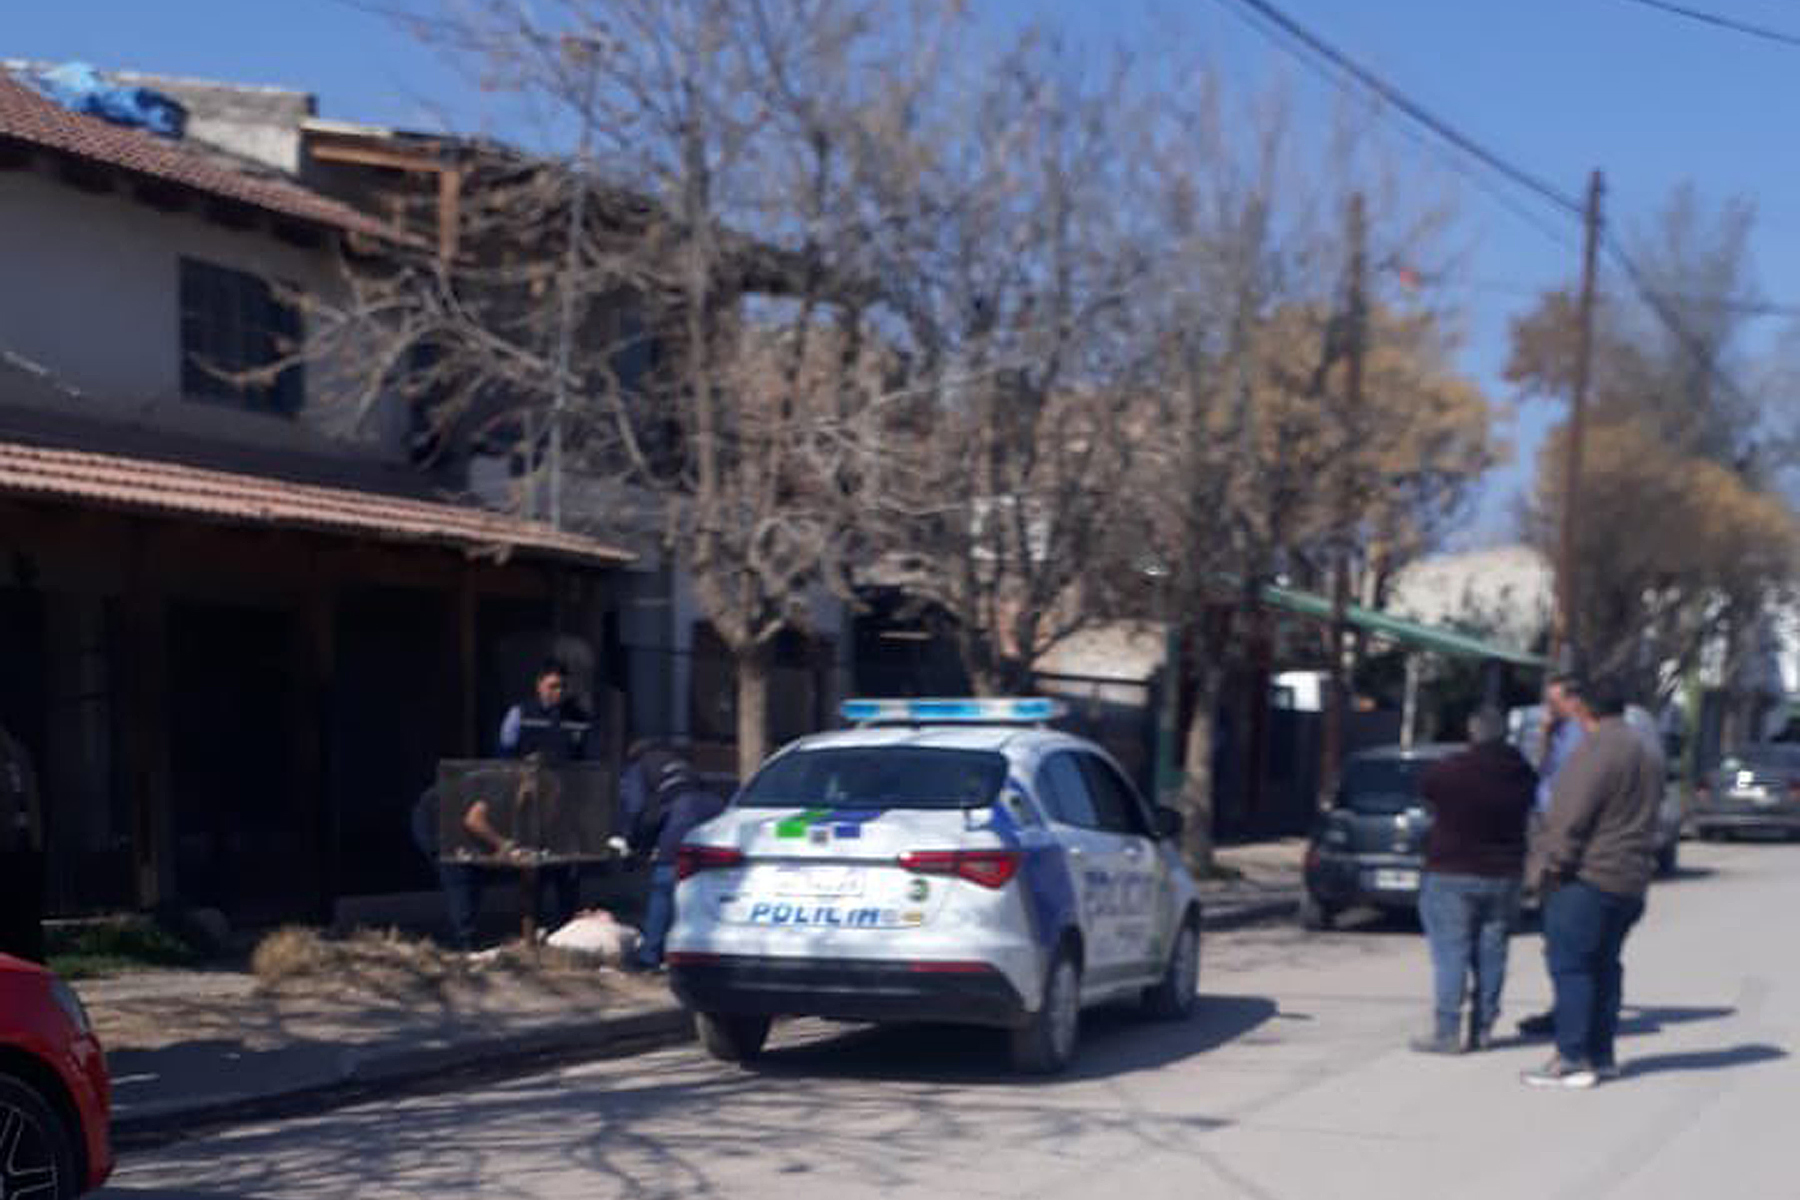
380 1073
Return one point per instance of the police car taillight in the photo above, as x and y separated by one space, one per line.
989 868
691 860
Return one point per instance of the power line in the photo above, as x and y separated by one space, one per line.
1272 22
1406 105
1736 26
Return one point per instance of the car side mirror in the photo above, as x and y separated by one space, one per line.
1169 822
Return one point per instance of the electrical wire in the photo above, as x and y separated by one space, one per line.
1736 26
1271 21
1273 16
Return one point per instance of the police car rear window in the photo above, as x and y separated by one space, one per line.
878 777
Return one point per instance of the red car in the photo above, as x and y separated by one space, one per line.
55 1094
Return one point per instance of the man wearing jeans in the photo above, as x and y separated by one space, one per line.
1480 800
677 802
1593 860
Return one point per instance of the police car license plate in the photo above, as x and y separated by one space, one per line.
1393 879
819 881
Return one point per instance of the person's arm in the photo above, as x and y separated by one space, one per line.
509 732
476 820
1575 801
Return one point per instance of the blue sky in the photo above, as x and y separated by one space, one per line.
1558 86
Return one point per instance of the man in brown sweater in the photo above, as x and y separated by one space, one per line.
1480 800
1592 861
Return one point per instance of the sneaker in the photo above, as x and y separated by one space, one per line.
1442 1043
1541 1025
1560 1074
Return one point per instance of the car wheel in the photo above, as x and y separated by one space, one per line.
1172 997
1666 859
732 1037
37 1152
1046 1043
1315 915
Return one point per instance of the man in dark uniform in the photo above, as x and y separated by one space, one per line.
552 729
548 724
21 854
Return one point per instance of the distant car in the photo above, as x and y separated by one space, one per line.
1368 848
55 1095
1755 790
943 861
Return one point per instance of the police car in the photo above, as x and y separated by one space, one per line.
942 860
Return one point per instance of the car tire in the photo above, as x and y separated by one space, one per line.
1172 998
1045 1044
1315 915
1667 859
37 1150
732 1037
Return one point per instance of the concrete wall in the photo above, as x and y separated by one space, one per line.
92 295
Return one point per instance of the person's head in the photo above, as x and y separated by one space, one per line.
552 682
1606 697
1486 724
1560 691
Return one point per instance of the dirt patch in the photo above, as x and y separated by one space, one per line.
371 984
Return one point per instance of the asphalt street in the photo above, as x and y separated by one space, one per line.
1292 1081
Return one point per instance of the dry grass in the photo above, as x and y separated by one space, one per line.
386 963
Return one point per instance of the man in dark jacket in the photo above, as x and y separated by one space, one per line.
678 802
1480 801
1592 861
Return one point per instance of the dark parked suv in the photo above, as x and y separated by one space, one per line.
1368 847
1755 790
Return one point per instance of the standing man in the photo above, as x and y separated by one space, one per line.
547 723
21 854
1480 800
1593 860
678 802
1563 730
551 726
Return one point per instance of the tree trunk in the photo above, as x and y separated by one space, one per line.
752 708
1196 797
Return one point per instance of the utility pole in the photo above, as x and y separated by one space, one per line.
580 51
1337 701
1568 594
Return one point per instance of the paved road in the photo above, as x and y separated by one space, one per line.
1292 1082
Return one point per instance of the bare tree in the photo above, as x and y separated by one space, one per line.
676 326
1683 537
1003 245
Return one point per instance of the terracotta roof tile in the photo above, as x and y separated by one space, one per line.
25 116
144 484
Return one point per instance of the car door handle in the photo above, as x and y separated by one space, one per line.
1075 852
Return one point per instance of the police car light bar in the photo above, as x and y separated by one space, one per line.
1020 710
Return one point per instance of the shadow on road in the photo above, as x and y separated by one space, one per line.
1639 1019
1704 1060
1113 1042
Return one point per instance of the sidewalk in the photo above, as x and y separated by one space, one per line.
195 1049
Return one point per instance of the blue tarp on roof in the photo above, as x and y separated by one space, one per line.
80 88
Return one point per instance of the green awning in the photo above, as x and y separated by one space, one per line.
1399 629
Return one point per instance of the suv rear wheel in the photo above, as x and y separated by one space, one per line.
1046 1043
732 1037
1314 914
37 1153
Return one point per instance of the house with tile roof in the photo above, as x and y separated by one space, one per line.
241 625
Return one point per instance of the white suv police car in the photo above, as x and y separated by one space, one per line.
944 860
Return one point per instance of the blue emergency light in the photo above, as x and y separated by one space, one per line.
1018 710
